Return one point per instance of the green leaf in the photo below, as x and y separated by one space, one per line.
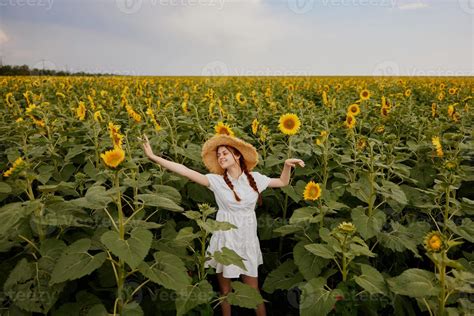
316 300
402 238
308 264
367 226
244 295
302 215
288 229
97 310
192 296
169 192
194 215
290 191
167 270
132 309
211 225
76 262
361 189
5 188
185 236
132 250
98 197
160 201
465 230
284 277
227 257
371 280
414 283
361 250
28 286
321 250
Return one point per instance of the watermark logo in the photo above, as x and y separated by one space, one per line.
386 68
215 68
300 6
129 6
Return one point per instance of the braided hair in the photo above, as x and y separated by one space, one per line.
243 166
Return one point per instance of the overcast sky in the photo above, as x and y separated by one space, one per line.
241 37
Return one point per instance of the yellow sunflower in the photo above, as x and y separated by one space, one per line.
240 98
434 107
254 126
346 228
312 191
98 116
114 157
17 163
114 132
353 109
364 94
451 110
81 111
437 143
350 121
289 124
222 128
452 91
433 241
408 93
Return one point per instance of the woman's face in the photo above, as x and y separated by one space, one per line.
225 157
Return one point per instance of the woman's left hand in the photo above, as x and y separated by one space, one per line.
292 162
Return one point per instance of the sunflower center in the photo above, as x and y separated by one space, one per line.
289 124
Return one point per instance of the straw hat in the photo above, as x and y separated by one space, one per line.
209 152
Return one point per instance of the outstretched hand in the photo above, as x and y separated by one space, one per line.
292 162
147 147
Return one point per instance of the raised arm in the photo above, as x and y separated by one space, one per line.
284 179
173 166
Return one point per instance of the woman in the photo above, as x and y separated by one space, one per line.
237 190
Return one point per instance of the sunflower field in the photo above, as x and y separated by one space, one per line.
379 221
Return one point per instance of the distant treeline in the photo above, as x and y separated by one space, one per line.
24 70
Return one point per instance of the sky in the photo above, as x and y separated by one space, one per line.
240 37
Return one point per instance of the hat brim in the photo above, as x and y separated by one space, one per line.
209 152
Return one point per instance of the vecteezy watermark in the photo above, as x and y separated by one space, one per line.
133 6
467 6
220 68
48 4
300 6
386 68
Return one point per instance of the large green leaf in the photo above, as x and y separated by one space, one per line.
371 280
361 189
167 270
304 215
321 250
228 256
132 250
160 201
414 283
308 263
316 299
14 214
244 296
192 296
76 262
284 277
402 238
211 225
28 286
465 230
368 226
132 309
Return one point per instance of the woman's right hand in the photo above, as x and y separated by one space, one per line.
147 147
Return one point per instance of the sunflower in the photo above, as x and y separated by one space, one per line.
452 91
380 129
451 110
353 109
408 93
134 115
184 106
114 132
114 157
289 124
222 128
17 163
98 116
384 111
60 94
254 126
9 98
312 191
433 241
350 121
433 109
346 228
325 98
240 98
437 143
81 111
364 94
450 165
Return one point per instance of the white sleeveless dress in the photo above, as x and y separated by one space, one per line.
243 240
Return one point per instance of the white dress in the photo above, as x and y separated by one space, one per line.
243 240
